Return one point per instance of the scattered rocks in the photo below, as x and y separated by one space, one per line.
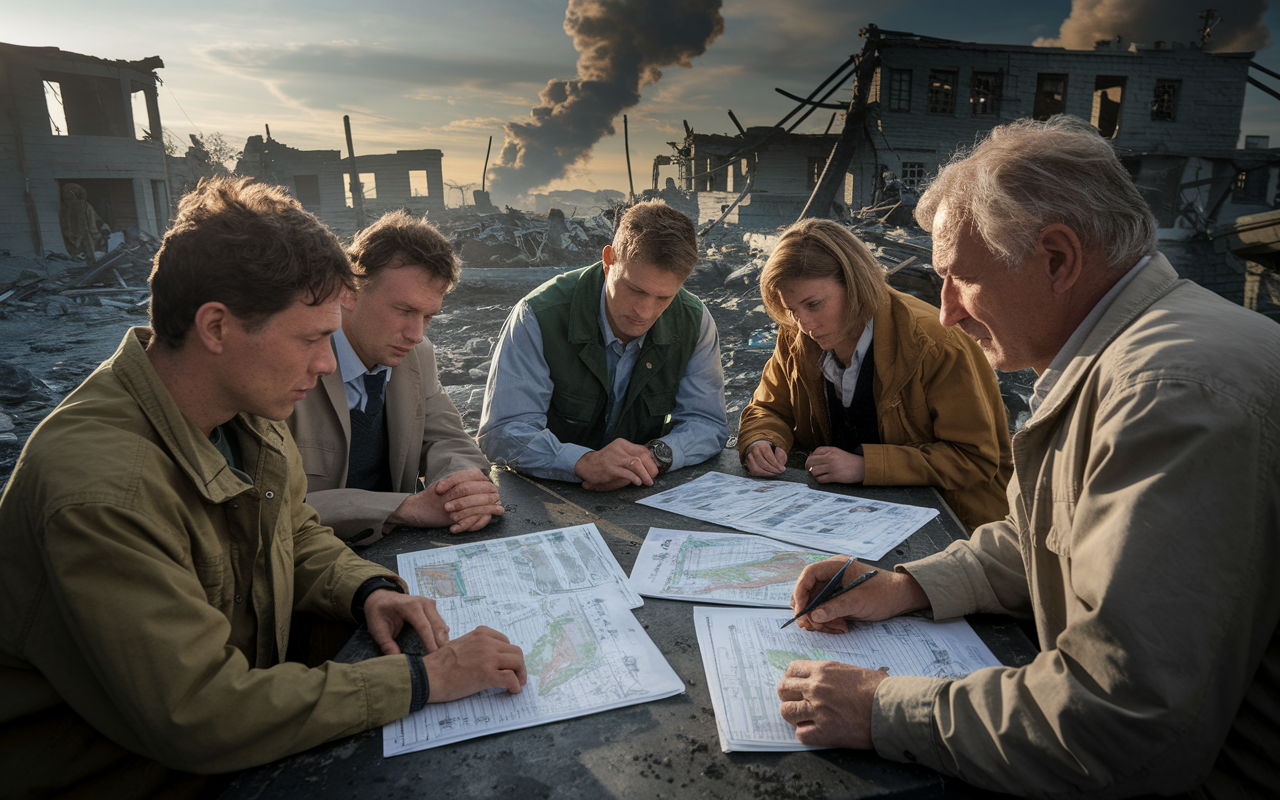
17 384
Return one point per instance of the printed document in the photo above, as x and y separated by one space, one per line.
537 565
585 653
792 512
732 568
745 654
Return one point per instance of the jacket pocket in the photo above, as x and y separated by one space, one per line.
212 574
573 414
320 459
658 406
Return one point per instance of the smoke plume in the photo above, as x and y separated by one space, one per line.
621 44
1147 21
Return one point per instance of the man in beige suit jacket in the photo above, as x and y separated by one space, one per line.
364 455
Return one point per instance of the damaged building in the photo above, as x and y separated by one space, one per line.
1172 109
320 179
82 150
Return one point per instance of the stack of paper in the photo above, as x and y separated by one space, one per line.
745 654
792 512
563 598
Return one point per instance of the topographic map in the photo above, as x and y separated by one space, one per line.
585 652
745 655
730 568
529 567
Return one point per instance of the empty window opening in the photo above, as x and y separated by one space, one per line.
112 200
307 190
942 92
900 90
57 115
1107 92
1164 101
913 173
141 124
91 106
368 186
984 94
1051 95
816 165
418 183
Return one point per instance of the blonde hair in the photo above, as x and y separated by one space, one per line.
1028 175
820 248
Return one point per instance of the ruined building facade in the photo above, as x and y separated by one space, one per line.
67 118
319 179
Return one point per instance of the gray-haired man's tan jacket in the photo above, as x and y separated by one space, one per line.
1144 539
425 436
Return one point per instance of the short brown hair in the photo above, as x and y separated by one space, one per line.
820 248
246 245
414 239
653 232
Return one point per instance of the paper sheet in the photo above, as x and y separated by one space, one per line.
792 512
745 655
585 653
732 568
528 567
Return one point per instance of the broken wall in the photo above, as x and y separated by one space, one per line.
70 118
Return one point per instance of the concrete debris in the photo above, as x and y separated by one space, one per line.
518 239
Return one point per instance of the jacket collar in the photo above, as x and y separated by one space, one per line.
1155 281
190 449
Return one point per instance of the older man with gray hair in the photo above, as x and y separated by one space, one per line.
1142 537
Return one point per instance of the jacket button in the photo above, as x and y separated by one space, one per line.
239 598
270 495
648 365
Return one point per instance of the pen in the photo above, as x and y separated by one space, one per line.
832 590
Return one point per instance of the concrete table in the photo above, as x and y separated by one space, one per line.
664 749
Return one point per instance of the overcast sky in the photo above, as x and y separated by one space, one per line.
447 75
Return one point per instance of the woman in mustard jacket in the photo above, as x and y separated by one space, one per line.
867 379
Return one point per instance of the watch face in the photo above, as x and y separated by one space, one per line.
661 452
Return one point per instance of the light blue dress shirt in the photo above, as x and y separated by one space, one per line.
513 423
352 370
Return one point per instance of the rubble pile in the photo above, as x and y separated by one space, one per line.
117 279
518 239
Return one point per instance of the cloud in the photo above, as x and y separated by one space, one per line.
1241 28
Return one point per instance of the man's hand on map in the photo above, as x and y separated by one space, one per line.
386 612
829 703
615 465
472 663
465 501
764 460
833 465
888 594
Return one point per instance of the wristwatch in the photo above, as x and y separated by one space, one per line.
661 453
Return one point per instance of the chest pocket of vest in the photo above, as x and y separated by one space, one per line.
659 406
574 414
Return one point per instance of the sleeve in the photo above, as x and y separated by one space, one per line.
770 414
1163 552
513 421
166 683
358 517
701 425
446 446
968 423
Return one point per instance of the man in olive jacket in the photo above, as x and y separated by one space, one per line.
155 543
1144 507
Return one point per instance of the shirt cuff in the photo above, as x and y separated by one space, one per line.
902 723
421 684
367 588
565 461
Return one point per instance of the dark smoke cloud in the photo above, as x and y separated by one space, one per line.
621 44
1148 21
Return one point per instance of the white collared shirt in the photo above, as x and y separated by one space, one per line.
845 379
352 370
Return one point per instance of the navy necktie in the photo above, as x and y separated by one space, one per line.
373 385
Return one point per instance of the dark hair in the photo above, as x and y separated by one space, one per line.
246 245
413 239
654 233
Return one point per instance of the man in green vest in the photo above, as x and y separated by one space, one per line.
610 375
